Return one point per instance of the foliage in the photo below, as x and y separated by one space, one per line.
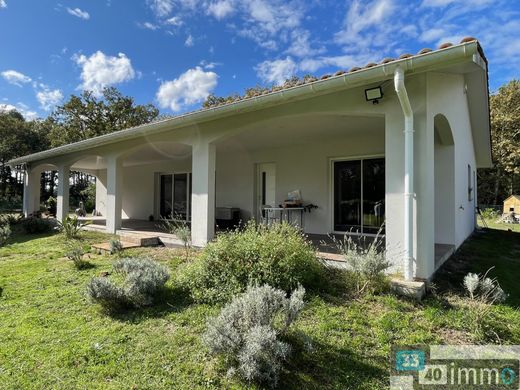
36 225
86 116
180 228
366 259
52 205
497 183
247 332
5 233
10 219
143 280
483 292
116 246
490 214
75 253
89 197
278 255
71 226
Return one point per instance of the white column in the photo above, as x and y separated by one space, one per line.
31 192
62 209
203 194
114 194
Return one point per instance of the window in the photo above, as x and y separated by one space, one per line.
175 196
470 185
359 195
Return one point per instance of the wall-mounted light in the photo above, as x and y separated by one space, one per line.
374 94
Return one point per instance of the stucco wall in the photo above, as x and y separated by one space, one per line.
447 96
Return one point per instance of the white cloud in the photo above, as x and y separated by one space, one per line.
189 42
300 44
162 8
78 13
149 26
276 71
100 70
3 4
193 86
49 98
361 16
21 108
15 78
221 9
175 21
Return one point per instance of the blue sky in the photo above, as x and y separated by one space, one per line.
173 53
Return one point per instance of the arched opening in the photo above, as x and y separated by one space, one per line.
44 194
444 176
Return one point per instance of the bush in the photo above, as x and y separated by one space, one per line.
278 255
5 233
490 214
178 226
71 226
51 205
75 253
36 225
366 260
247 332
143 280
116 246
10 219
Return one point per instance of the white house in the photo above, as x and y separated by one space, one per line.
410 159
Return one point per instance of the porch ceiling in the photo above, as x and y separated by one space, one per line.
290 131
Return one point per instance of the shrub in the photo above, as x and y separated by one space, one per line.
10 219
75 253
143 280
490 214
116 246
247 332
180 228
278 255
71 226
51 205
483 292
5 233
366 259
36 225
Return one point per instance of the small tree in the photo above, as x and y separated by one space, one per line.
178 226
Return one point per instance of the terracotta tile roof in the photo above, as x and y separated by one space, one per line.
295 81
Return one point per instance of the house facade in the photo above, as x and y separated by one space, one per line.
409 161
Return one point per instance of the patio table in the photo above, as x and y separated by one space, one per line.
286 213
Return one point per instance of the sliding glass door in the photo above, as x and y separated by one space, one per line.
359 195
175 196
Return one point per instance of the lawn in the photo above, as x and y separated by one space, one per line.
51 336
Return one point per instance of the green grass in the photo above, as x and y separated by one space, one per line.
52 337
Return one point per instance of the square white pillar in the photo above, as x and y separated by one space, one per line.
62 209
114 203
203 194
31 192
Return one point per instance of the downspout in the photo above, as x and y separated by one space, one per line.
400 89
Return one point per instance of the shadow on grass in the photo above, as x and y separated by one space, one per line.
20 237
328 366
170 300
488 248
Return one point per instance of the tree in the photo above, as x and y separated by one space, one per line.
17 138
88 116
496 183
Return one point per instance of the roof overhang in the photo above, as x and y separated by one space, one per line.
435 60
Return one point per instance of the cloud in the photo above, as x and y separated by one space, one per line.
148 26
162 8
49 98
174 21
100 70
276 71
221 9
15 78
3 4
300 44
193 86
362 16
189 42
78 13
338 62
21 108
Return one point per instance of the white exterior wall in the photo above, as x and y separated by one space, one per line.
303 167
447 96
